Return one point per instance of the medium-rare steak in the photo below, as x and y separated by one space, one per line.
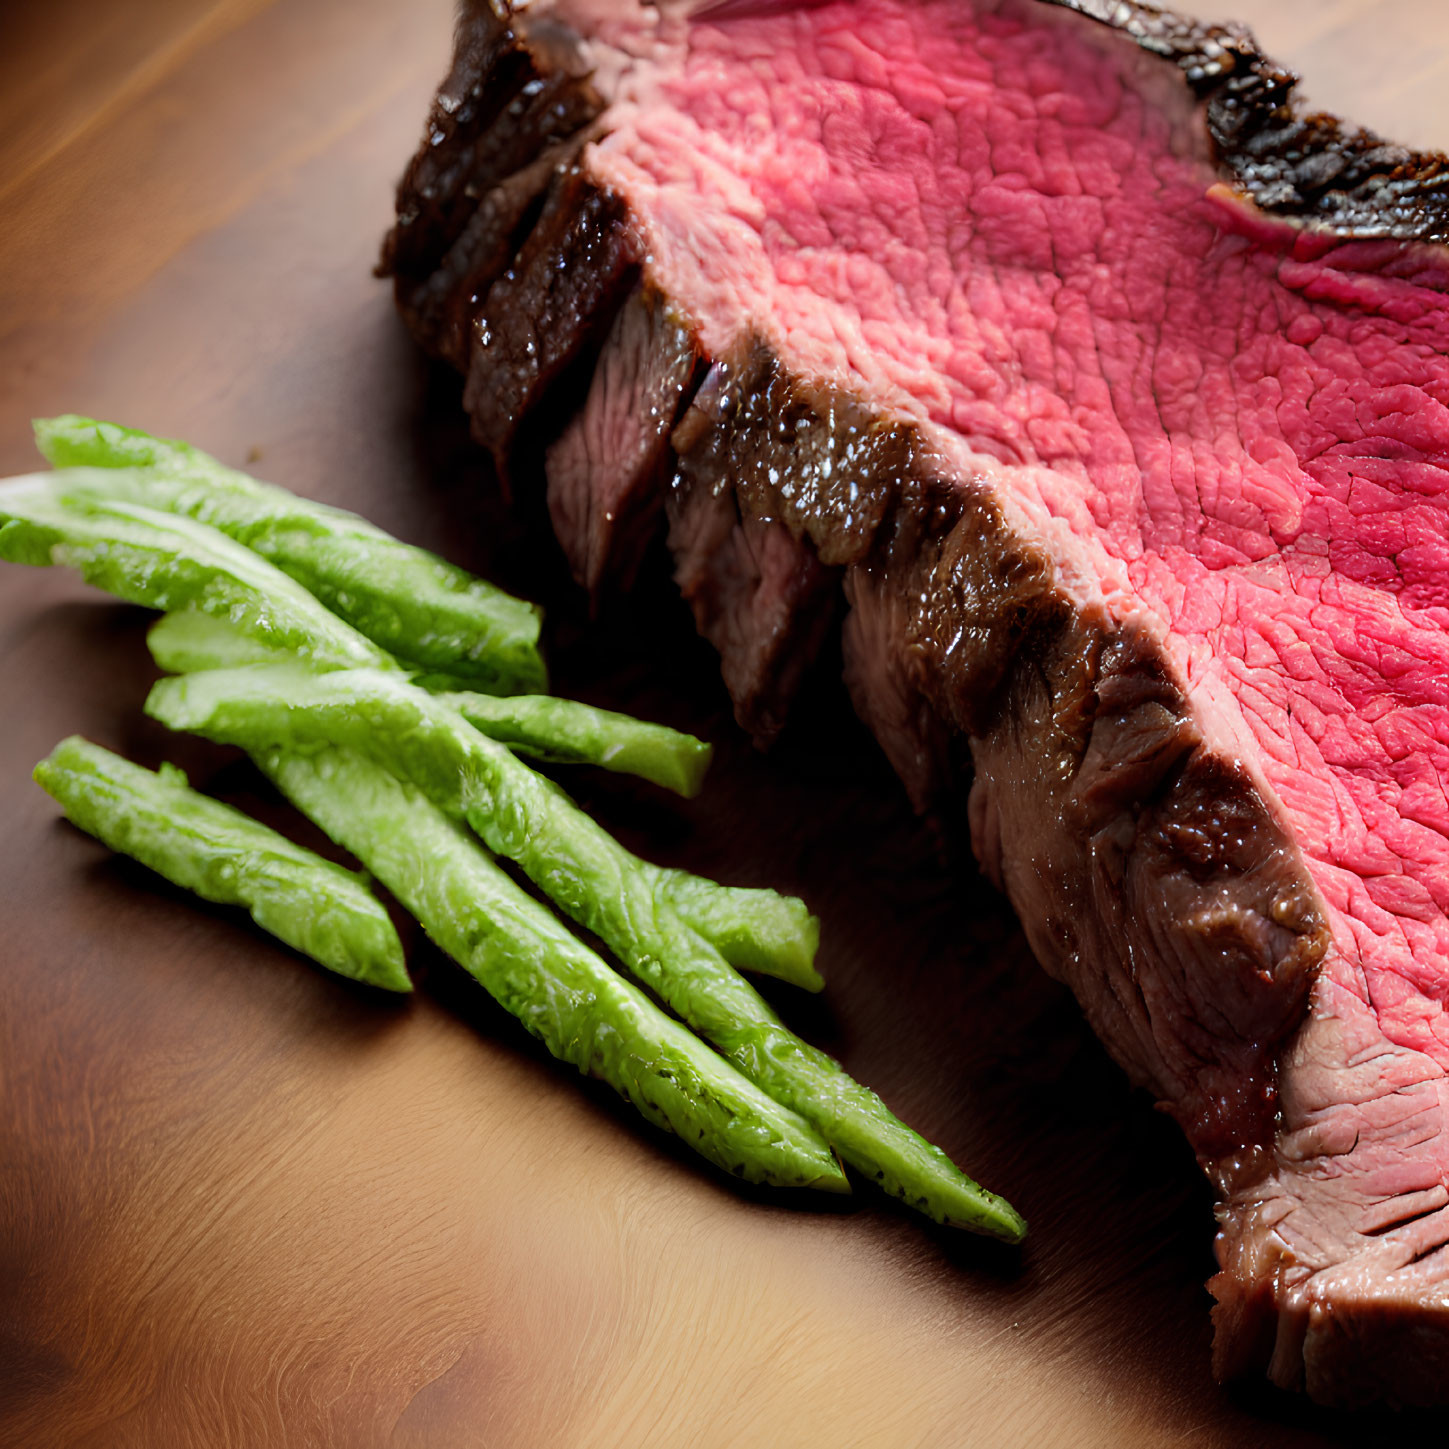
1106 396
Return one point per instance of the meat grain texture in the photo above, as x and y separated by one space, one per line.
1102 400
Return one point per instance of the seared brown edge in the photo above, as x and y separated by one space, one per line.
1095 793
1309 167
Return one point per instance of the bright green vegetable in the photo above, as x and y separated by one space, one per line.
168 562
219 590
411 602
558 730
586 873
187 642
318 908
569 733
562 731
536 970
755 930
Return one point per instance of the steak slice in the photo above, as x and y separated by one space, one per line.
1112 395
607 470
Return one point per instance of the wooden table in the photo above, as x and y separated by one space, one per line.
241 1203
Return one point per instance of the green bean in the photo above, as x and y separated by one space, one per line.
412 603
218 853
187 642
537 971
756 930
172 563
589 876
566 732
561 731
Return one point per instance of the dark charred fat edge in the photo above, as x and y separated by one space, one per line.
858 492
507 99
801 454
550 108
768 503
828 468
441 309
1309 168
862 492
969 611
607 471
550 309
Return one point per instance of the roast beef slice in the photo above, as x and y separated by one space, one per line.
1109 390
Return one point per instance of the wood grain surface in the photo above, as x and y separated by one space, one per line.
244 1204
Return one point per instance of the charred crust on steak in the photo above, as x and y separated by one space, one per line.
607 471
556 300
759 588
441 307
1311 168
508 97
796 455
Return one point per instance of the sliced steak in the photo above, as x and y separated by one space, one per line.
761 592
546 310
1112 394
506 100
606 472
442 307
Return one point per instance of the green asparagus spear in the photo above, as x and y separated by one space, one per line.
411 602
318 908
169 562
589 876
569 733
536 970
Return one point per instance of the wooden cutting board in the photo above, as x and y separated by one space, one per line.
244 1204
